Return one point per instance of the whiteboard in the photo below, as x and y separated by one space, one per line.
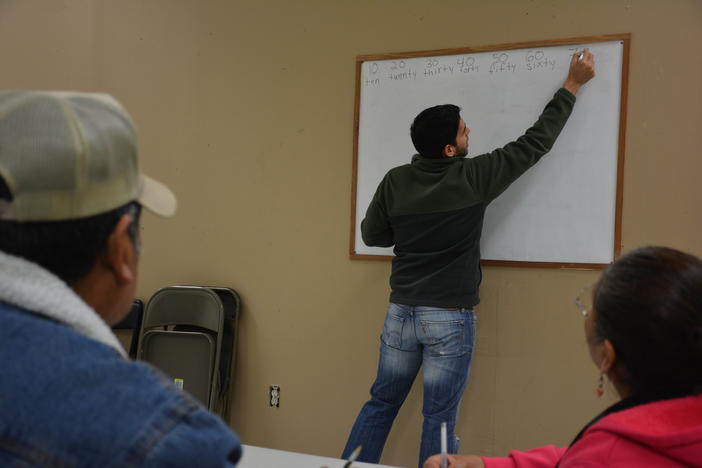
564 211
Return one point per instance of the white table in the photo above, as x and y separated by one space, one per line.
259 457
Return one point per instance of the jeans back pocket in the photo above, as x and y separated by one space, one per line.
445 338
392 330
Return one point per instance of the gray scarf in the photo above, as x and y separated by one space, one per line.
29 286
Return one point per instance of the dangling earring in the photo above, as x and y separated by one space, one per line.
600 386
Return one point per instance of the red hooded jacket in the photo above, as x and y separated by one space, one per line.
662 434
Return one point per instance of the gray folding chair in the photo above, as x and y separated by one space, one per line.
189 333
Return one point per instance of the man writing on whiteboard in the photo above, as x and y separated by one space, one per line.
432 212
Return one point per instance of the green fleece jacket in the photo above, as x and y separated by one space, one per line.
432 211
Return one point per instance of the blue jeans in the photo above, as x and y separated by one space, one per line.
442 341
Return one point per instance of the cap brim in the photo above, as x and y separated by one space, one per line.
156 197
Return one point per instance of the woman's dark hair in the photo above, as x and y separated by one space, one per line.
68 249
648 304
434 128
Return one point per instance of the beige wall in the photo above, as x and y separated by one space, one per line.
245 109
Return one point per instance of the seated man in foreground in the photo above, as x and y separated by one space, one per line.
70 199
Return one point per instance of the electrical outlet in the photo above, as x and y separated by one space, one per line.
274 396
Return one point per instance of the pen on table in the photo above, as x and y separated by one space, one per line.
354 456
444 455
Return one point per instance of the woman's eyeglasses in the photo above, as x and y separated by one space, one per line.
583 301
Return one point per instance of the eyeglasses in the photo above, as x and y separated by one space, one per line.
583 301
134 211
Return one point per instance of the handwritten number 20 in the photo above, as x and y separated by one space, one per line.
397 64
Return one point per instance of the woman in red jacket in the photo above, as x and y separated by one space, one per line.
644 332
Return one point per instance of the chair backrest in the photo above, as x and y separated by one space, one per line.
232 308
185 305
132 322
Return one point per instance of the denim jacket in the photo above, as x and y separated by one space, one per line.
69 398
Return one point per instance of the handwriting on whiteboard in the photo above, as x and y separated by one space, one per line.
435 68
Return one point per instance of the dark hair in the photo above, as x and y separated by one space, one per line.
68 249
648 304
434 128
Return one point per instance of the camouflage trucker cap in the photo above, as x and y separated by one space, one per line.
69 155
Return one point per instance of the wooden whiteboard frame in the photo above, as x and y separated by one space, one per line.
626 40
